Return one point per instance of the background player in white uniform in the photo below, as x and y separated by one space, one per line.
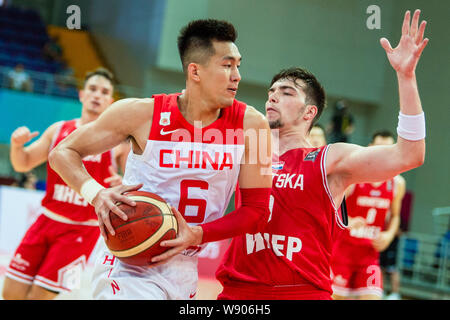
210 61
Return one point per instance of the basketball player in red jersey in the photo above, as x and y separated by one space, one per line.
57 246
355 259
196 178
290 258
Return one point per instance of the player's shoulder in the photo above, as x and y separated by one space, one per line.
137 102
54 127
254 119
133 107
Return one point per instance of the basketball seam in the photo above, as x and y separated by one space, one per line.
150 246
122 253
138 219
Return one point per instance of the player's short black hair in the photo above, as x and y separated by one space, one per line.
195 39
382 133
315 93
103 72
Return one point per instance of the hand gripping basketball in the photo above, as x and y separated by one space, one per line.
187 236
105 202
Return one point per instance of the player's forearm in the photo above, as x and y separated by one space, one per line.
19 159
392 229
411 141
409 94
251 217
69 166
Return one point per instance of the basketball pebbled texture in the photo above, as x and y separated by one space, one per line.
137 239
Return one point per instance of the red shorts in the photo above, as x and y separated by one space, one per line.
233 291
357 280
52 254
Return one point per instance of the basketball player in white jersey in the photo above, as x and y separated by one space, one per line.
197 178
290 257
63 233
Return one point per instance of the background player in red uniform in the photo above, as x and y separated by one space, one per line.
371 207
210 60
56 247
290 257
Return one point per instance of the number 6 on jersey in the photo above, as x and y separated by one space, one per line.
185 185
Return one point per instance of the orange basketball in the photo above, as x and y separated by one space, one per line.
137 239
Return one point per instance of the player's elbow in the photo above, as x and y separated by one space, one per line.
55 157
20 168
416 159
413 155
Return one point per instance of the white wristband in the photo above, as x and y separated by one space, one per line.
89 190
411 127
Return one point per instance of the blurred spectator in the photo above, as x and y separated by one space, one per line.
317 136
52 51
341 125
4 3
28 180
19 79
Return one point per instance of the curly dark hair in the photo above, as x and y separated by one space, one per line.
195 39
315 93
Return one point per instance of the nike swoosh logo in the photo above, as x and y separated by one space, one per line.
163 133
191 295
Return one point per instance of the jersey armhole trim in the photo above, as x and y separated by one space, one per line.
327 189
55 136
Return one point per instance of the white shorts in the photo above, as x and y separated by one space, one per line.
174 280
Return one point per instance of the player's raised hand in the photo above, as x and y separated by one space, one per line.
22 135
405 56
105 202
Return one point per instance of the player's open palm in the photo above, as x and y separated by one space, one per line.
405 56
22 135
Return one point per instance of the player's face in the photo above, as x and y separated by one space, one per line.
220 76
317 137
383 141
97 94
285 104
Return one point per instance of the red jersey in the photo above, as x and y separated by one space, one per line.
354 246
62 200
294 249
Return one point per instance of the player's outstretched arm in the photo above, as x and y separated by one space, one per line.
377 163
23 159
123 119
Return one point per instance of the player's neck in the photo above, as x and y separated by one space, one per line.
285 139
196 108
